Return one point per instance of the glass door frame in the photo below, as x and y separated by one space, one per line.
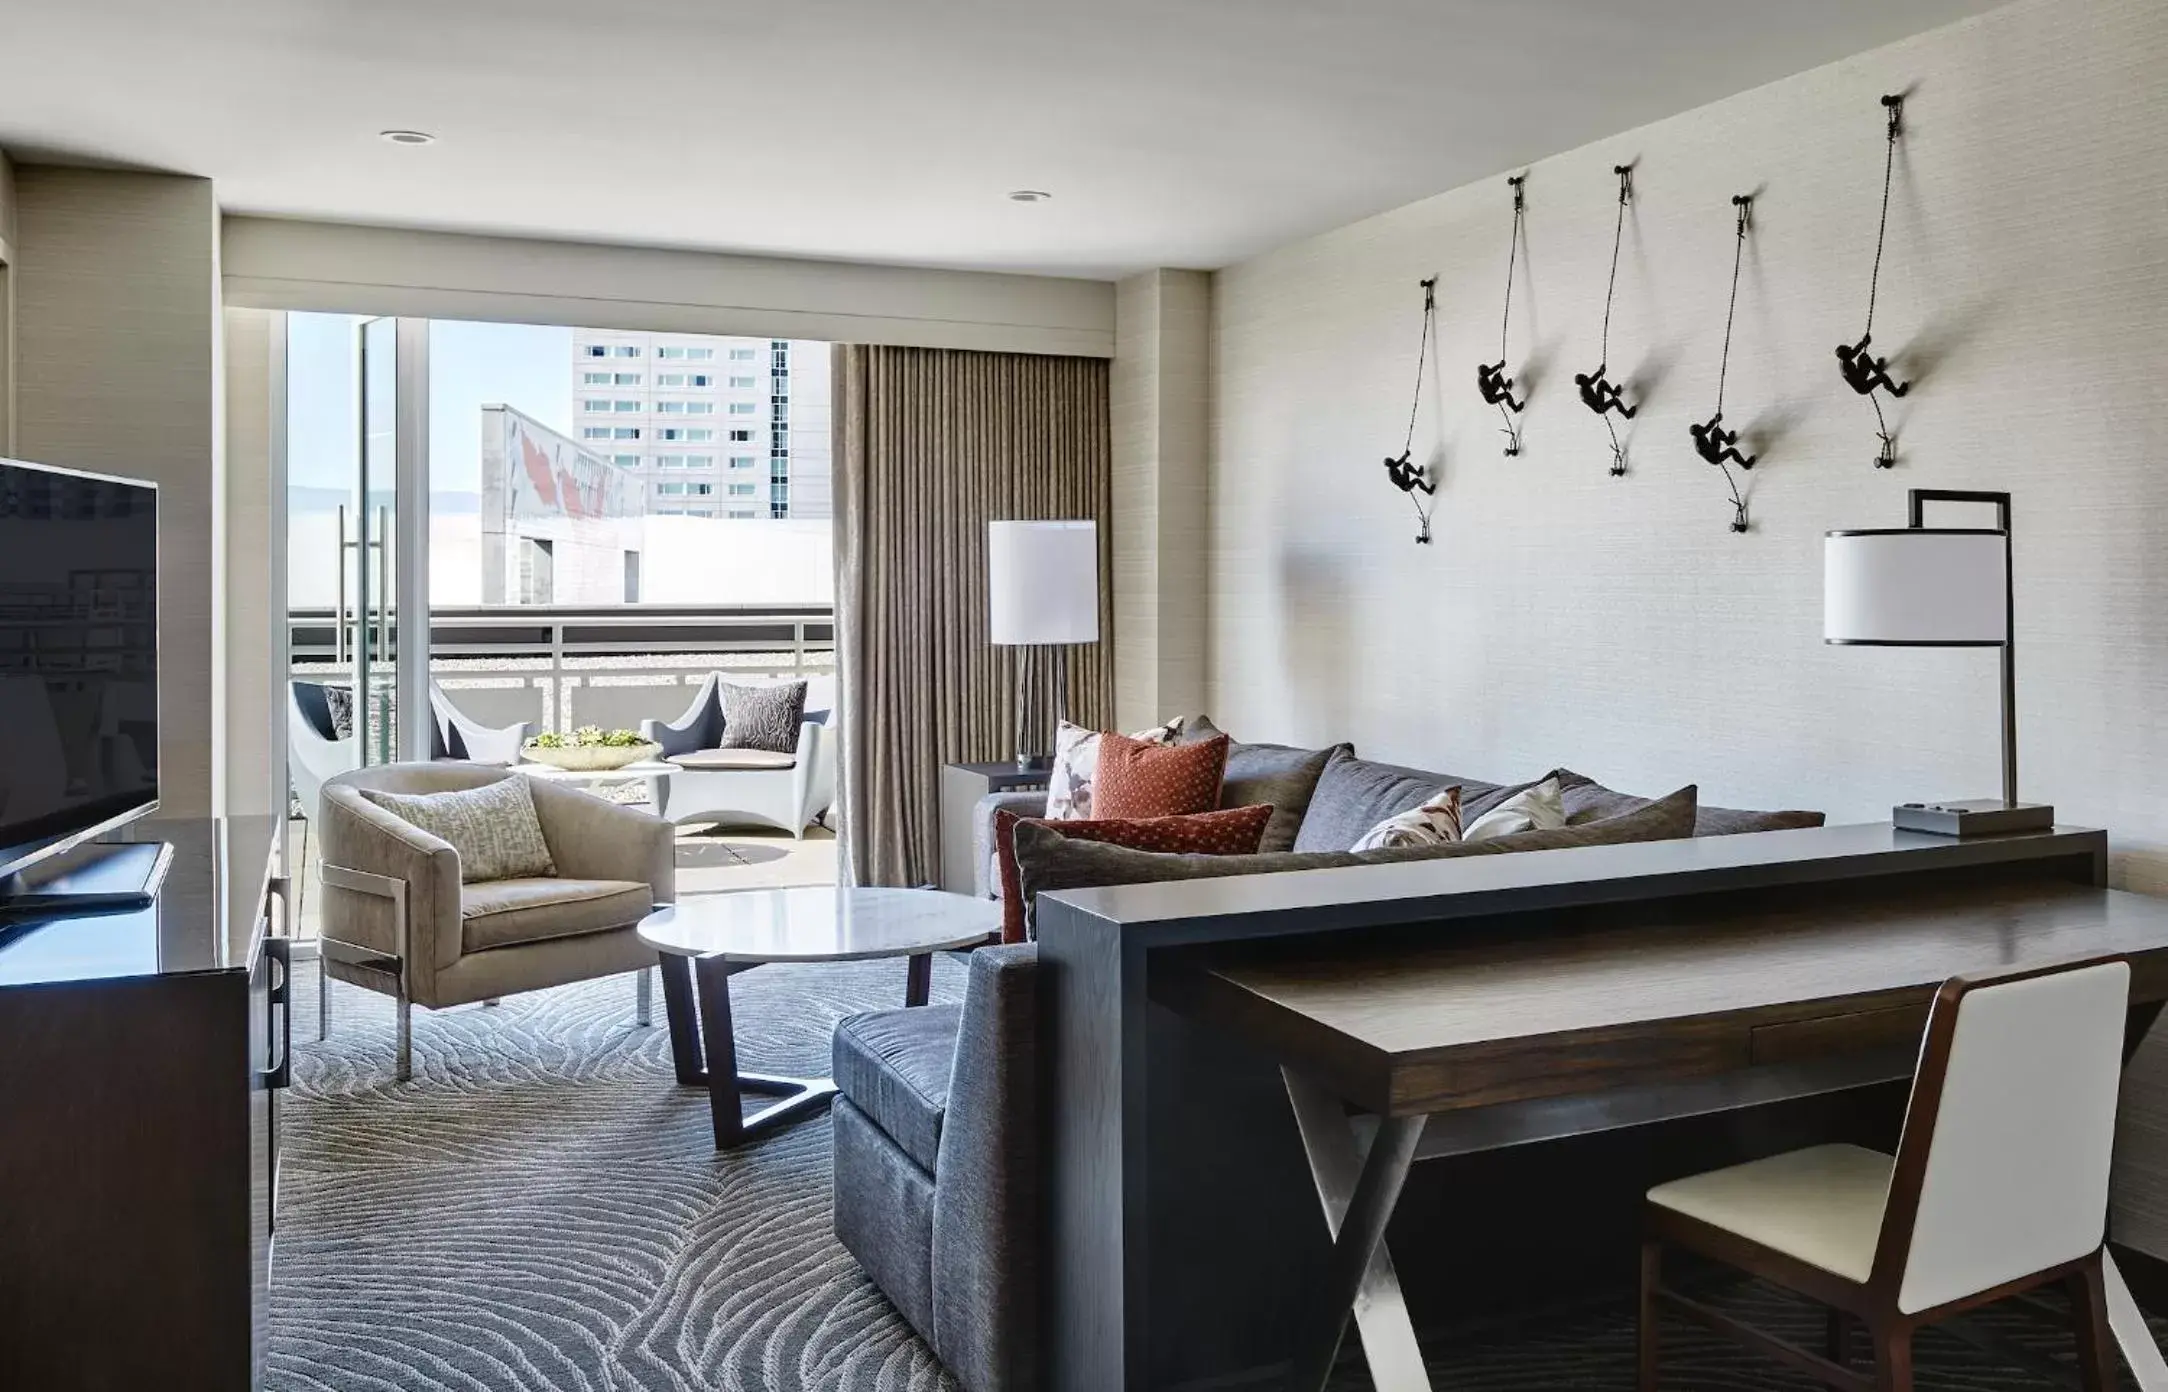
399 618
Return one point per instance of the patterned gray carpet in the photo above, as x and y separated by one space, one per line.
542 1210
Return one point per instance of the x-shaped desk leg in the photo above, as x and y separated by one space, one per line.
1358 1191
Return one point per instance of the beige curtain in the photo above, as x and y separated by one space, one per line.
930 446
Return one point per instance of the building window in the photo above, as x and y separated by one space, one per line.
744 354
627 379
669 490
595 379
669 408
669 379
628 461
679 352
699 461
743 383
744 490
741 408
628 407
624 432
594 432
743 514
592 404
537 565
699 408
741 461
703 379
598 350
628 350
741 437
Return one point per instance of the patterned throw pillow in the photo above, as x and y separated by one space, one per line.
1540 808
763 717
1076 764
493 828
1235 831
339 702
1140 779
1435 823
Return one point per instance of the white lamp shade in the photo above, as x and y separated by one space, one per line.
1042 582
1916 587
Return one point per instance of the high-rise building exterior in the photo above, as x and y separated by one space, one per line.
713 427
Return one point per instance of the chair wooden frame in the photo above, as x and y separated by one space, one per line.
1874 1302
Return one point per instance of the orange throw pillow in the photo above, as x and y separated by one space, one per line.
1137 779
1236 831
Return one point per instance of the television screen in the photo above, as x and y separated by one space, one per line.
78 655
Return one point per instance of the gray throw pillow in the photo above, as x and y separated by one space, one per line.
1354 795
1046 860
763 717
339 703
493 828
1280 776
1587 800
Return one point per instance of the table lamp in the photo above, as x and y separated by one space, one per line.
1936 587
1042 583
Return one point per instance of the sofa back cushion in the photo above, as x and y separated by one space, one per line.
1232 831
1587 800
1353 795
1280 776
1045 861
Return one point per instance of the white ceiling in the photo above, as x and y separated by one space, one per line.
1171 132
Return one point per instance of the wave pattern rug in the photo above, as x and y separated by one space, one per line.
542 1210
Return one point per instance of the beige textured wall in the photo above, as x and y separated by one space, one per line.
7 306
251 642
117 336
1616 626
1159 396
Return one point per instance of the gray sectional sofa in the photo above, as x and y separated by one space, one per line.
936 1128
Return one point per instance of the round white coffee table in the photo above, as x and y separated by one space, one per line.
707 940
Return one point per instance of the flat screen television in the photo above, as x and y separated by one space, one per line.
78 659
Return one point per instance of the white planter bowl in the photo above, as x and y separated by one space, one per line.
591 758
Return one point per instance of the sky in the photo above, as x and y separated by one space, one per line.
525 366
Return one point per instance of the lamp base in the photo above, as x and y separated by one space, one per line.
1976 817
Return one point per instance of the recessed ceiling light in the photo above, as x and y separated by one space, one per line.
408 137
1029 195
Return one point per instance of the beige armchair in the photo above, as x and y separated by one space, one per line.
397 920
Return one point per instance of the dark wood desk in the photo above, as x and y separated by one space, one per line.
1761 1003
141 1054
1168 1122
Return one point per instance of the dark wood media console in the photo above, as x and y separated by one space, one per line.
140 1057
1612 1016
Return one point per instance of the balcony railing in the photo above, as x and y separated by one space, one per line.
562 666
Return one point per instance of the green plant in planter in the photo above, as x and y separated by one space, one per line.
586 737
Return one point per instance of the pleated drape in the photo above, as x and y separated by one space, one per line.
931 445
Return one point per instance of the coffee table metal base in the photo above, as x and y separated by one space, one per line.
696 1001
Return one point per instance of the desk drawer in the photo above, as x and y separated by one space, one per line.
1858 1032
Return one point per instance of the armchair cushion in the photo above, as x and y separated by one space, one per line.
735 760
503 913
762 717
493 827
894 1066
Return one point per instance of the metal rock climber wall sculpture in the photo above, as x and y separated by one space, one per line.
1490 378
1712 441
1598 392
1406 475
1863 371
